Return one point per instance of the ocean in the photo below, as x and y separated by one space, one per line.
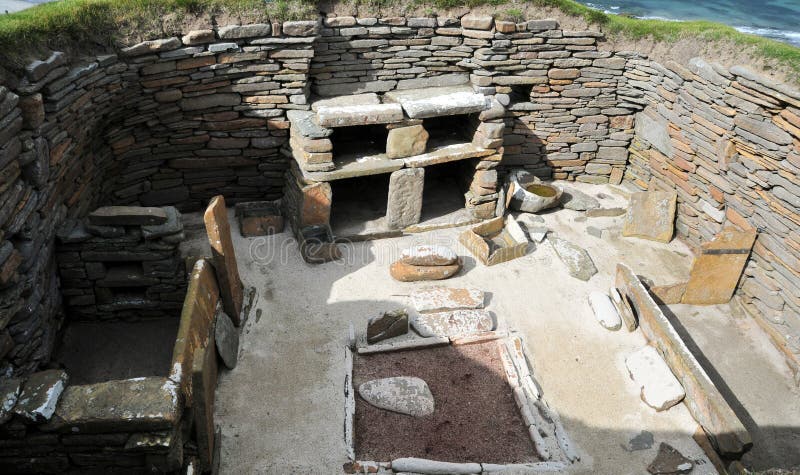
776 19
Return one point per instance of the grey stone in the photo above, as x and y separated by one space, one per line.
579 263
659 388
593 231
40 394
669 462
654 131
387 325
127 216
417 465
244 31
173 225
300 28
439 101
345 116
105 231
404 206
765 130
152 46
9 394
454 323
366 99
577 200
306 124
604 311
209 101
223 47
226 337
402 394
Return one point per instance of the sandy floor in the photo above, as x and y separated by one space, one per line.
281 409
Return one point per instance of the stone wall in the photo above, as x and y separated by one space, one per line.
728 142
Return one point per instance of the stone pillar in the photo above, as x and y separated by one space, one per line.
404 206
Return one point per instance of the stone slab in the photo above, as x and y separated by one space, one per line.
669 461
651 215
439 101
624 310
654 131
366 99
404 205
428 255
9 393
306 124
716 271
403 272
226 338
457 323
436 299
496 240
387 325
197 317
204 384
604 311
40 394
173 225
351 167
402 394
224 257
418 465
346 116
703 399
127 216
130 405
659 388
444 153
577 260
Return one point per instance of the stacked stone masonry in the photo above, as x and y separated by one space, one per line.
178 120
728 142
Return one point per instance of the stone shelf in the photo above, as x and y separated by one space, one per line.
438 101
362 163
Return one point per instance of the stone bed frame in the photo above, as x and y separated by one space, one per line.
548 435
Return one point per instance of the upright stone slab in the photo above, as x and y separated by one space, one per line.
703 399
40 394
405 142
204 383
404 206
223 257
716 271
651 215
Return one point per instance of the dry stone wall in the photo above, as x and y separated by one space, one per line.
728 142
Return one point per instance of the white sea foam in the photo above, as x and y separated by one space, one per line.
785 35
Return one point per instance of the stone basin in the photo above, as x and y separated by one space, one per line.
532 197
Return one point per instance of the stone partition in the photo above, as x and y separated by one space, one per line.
728 142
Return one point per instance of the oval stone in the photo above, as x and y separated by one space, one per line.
410 273
604 311
428 255
402 394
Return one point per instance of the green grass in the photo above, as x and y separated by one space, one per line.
103 21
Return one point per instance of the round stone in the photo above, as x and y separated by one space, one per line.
402 394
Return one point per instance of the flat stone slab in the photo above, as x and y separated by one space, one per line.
40 394
660 389
446 153
226 337
579 263
703 399
305 123
417 465
130 405
454 323
577 200
366 99
669 461
345 116
651 215
223 256
439 101
173 225
437 299
403 394
428 255
355 167
387 325
127 216
409 273
604 311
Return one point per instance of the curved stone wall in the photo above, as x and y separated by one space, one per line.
175 121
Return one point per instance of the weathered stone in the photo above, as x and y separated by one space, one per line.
417 465
32 110
387 325
703 399
130 405
453 323
173 225
259 218
654 131
604 212
406 141
623 307
127 216
668 294
404 206
651 215
40 394
716 271
439 101
306 124
446 154
300 28
204 384
766 130
9 394
244 31
224 257
412 273
578 201
198 37
496 240
209 101
428 255
345 116
578 262
437 299
604 311
152 46
532 197
669 462
226 338
477 22
659 387
402 394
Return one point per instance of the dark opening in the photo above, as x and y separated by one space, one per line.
521 93
359 204
449 129
359 141
445 185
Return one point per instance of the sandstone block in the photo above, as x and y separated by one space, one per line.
127 216
428 255
651 215
716 271
404 206
406 141
411 273
224 257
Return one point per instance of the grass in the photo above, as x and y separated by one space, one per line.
101 21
